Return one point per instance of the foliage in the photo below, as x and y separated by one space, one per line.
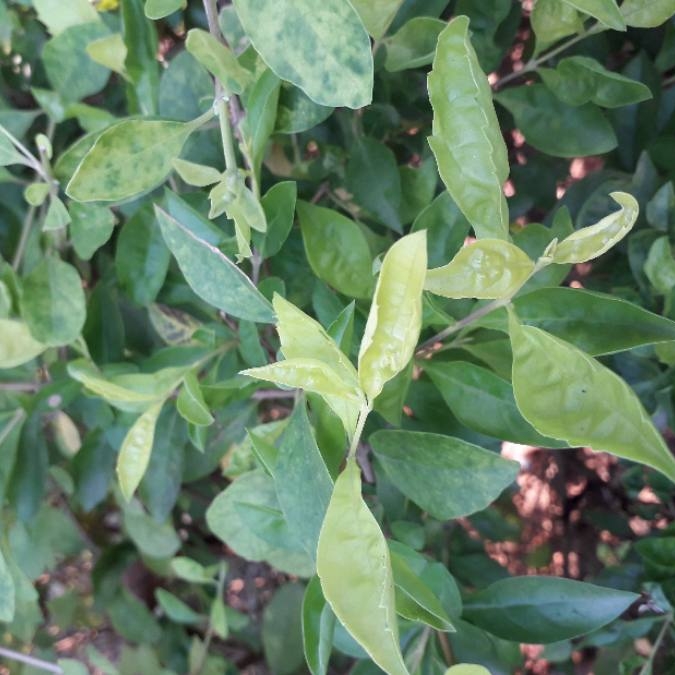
244 317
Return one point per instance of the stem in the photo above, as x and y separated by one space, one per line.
23 240
360 423
225 129
208 637
31 160
533 64
647 667
30 660
463 323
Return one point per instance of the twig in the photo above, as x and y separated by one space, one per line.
23 239
30 660
647 667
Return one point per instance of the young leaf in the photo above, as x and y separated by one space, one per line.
544 609
57 16
467 141
213 276
484 402
660 266
445 476
176 609
355 571
191 404
647 13
467 669
218 60
53 302
318 627
565 394
414 44
337 250
332 64
135 451
552 20
91 226
158 9
17 345
591 242
395 317
128 159
198 175
605 11
489 268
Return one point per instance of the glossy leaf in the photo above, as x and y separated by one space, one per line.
318 626
660 266
445 476
647 13
128 159
211 275
565 394
332 64
414 44
158 9
579 79
354 567
553 20
594 240
467 141
134 455
299 463
218 59
605 11
395 317
484 402
190 402
337 250
17 345
53 303
555 128
489 268
544 609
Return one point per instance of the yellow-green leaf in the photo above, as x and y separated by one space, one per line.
467 141
605 11
134 456
17 345
198 175
467 669
564 393
355 570
647 13
591 242
377 14
190 402
489 268
395 317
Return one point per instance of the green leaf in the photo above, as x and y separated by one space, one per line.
157 540
414 599
36 193
128 159
53 303
299 463
659 556
544 609
218 618
556 128
176 609
660 266
109 51
332 64
592 241
467 140
224 518
57 16
190 570
337 250
395 317
198 175
218 59
8 153
414 44
579 79
281 630
190 402
467 669
297 112
605 11
565 394
141 257
377 15
489 268
647 13
17 345
213 276
279 206
185 89
373 179
69 69
57 216
134 454
7 592
91 226
553 20
318 627
158 9
484 402
354 567
445 476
